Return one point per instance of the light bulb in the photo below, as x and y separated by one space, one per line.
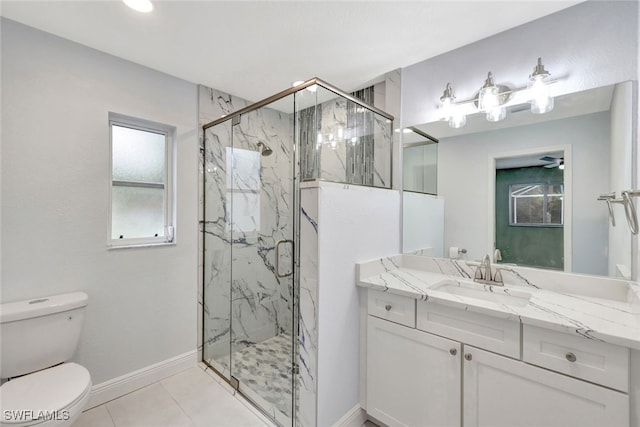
541 101
144 6
488 98
446 108
489 95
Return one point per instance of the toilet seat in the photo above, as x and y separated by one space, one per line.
55 391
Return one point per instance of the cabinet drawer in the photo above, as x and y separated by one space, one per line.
392 307
487 332
591 360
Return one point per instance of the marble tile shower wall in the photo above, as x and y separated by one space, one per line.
336 161
261 189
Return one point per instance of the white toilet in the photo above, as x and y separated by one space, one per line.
38 336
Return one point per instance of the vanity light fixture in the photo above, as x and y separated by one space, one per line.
492 99
144 6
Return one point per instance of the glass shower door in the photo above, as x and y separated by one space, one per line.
261 198
216 231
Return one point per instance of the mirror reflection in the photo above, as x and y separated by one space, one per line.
419 162
525 190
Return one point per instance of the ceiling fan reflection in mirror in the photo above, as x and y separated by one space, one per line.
554 162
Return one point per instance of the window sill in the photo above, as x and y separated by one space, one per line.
140 245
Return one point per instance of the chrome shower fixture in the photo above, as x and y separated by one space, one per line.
265 150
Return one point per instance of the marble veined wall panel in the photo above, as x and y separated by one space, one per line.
307 381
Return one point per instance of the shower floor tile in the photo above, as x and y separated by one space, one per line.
264 369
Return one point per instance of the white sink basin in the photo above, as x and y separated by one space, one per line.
496 294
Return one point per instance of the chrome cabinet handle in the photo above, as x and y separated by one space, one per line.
453 351
387 307
468 356
571 357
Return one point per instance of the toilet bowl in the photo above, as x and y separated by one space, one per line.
51 397
40 386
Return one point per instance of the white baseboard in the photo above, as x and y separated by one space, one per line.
354 418
112 389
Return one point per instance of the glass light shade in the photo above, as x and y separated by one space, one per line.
488 98
446 108
541 101
447 102
457 121
496 114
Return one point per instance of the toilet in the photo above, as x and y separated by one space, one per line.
40 387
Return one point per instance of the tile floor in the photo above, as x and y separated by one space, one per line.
193 398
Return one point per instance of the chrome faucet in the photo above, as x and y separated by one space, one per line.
484 274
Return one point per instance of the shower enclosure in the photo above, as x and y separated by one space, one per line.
254 162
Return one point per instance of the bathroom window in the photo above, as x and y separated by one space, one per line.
539 205
141 182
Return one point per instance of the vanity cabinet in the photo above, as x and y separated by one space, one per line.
442 366
499 391
413 378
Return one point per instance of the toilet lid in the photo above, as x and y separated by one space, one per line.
51 389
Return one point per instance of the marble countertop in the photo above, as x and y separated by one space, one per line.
597 308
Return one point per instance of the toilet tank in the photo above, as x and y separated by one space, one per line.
40 332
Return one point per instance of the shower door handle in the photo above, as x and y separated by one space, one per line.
278 243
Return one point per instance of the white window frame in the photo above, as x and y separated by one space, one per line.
168 236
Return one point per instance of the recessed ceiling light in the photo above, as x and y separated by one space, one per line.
139 5
297 83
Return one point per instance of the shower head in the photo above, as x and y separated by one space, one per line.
265 150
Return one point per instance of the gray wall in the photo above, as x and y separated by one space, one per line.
56 96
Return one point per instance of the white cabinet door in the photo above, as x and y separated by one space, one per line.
499 391
413 378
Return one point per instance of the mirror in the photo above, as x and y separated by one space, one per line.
539 176
419 162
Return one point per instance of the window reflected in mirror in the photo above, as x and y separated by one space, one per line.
536 205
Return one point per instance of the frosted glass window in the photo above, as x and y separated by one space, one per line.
137 212
141 196
138 155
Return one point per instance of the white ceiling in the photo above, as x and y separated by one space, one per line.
254 49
